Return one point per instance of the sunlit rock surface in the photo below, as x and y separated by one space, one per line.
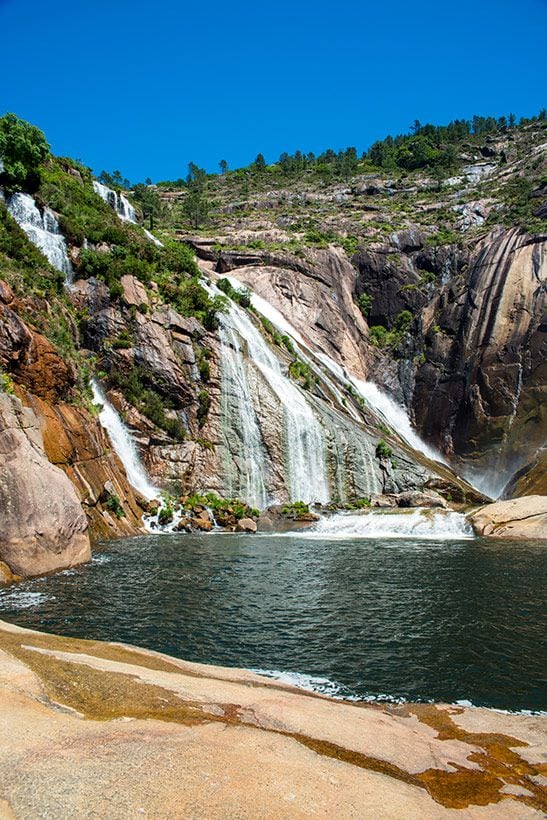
92 729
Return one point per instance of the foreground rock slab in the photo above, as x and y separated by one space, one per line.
524 517
103 730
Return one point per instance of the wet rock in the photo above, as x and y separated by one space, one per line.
517 518
202 521
6 575
416 499
184 525
383 500
246 525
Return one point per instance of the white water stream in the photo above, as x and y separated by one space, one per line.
304 447
119 202
43 231
124 445
392 413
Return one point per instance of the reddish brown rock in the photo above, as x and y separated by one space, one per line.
42 526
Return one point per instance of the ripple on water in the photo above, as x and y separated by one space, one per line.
375 619
16 599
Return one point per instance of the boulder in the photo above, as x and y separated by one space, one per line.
417 499
202 521
134 292
42 527
246 525
6 575
517 518
383 501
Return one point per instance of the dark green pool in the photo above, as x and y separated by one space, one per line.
414 619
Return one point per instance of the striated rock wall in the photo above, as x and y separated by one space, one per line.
481 394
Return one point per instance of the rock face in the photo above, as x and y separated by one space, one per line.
42 526
76 442
518 518
472 370
482 392
167 738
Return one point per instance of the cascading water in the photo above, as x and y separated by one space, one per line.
119 202
43 231
247 478
306 471
153 238
392 413
438 525
124 445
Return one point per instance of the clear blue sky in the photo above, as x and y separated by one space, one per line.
146 87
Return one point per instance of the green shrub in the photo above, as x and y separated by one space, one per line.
365 303
383 450
6 384
302 372
114 505
204 404
23 148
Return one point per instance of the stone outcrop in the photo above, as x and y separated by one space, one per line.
28 355
472 370
481 394
42 525
517 518
76 442
107 730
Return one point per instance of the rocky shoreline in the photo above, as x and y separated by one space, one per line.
166 738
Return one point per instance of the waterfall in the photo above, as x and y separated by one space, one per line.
43 231
304 448
389 411
247 478
153 238
439 525
119 202
395 416
124 445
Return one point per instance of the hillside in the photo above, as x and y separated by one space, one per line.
426 282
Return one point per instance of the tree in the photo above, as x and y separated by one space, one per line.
512 120
197 177
149 201
23 148
223 165
195 208
259 163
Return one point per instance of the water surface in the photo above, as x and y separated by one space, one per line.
370 618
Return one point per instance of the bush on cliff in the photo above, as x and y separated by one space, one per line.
23 148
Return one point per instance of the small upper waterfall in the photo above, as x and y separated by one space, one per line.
153 238
124 445
119 202
43 231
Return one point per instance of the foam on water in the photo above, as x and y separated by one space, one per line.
438 525
21 599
